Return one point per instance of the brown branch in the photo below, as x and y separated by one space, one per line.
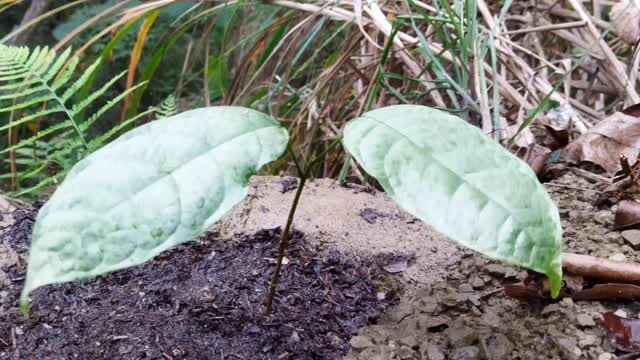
601 269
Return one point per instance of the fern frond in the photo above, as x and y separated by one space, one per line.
167 108
39 85
38 136
98 114
26 119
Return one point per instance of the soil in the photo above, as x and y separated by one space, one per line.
203 300
466 315
333 293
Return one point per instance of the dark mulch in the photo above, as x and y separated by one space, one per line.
203 300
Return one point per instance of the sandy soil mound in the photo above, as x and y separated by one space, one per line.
354 219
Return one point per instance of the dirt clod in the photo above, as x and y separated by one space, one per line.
632 237
465 353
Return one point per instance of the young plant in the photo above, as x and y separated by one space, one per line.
166 182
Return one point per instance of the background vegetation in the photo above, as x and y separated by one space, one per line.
509 67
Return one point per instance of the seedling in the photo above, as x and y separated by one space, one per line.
168 181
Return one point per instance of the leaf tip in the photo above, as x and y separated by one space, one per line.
555 283
24 304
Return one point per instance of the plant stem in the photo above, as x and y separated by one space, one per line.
284 240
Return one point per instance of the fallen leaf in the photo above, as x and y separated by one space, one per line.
627 215
537 157
602 144
561 137
625 15
624 334
633 110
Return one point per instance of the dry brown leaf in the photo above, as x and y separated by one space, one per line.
627 15
602 144
624 334
536 157
627 215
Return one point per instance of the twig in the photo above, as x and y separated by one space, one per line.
601 269
551 27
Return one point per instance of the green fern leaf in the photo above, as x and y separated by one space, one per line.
167 108
38 85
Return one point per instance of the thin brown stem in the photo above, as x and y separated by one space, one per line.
284 241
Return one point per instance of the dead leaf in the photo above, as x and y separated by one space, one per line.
602 144
627 215
633 110
625 15
561 137
537 157
624 334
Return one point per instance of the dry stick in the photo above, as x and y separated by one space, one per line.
601 269
567 25
619 69
207 49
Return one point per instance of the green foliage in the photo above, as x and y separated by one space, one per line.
155 187
449 174
37 95
167 108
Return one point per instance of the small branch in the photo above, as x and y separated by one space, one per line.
551 27
601 269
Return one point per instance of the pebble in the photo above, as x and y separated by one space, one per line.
4 279
585 320
496 346
621 313
465 353
603 217
8 257
632 237
431 352
461 336
360 342
606 356
477 282
568 347
465 288
588 340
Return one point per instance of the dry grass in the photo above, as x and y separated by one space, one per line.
507 67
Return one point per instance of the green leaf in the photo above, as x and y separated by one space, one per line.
450 175
153 188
